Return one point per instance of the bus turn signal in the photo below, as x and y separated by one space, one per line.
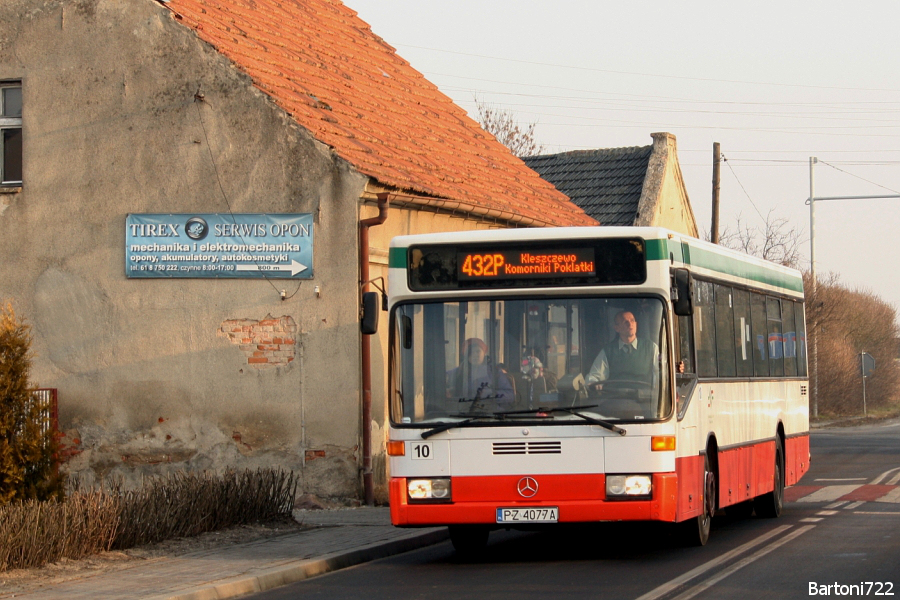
661 443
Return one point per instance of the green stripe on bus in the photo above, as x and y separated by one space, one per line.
657 249
723 264
397 258
698 257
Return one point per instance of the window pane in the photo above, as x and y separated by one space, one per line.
800 320
790 339
684 351
455 360
743 345
759 335
12 155
705 311
12 102
724 332
776 337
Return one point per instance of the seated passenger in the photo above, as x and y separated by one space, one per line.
534 381
476 379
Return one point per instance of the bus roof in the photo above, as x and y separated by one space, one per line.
702 258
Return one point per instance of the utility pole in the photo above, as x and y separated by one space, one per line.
714 228
812 267
813 283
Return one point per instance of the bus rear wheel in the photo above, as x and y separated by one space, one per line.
469 540
770 505
695 532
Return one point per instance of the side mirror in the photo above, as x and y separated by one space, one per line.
371 306
682 293
406 332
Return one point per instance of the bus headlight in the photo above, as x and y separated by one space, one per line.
628 486
429 490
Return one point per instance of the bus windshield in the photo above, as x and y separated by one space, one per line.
505 361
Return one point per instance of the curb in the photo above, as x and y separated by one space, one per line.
298 571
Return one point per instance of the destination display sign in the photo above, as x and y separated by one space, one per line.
540 263
522 264
237 246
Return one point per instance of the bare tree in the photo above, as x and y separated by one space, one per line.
502 124
777 240
846 322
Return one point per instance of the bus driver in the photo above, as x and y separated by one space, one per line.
626 357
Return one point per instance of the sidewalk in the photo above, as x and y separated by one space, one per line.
341 538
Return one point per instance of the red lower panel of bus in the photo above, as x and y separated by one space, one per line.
580 498
744 473
796 458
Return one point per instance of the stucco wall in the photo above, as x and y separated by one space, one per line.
148 377
664 201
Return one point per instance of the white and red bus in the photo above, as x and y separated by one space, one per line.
510 406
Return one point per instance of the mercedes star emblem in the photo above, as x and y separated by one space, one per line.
527 487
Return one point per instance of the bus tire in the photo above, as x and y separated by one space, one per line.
695 532
770 505
468 540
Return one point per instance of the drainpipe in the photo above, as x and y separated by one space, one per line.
366 354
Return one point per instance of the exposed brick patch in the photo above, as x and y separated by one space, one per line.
266 343
314 454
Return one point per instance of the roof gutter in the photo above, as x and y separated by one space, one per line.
456 207
365 347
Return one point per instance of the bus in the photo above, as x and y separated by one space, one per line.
593 374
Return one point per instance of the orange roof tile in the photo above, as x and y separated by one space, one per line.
322 64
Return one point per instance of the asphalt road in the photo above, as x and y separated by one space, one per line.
840 528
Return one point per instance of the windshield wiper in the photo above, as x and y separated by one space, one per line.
572 410
446 426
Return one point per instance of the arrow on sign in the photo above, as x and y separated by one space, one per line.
294 268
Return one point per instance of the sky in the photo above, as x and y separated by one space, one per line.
774 83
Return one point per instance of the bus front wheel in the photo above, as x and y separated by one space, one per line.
695 532
770 505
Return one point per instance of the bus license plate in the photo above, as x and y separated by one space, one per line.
528 514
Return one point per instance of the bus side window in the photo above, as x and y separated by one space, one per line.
705 322
790 338
776 337
742 339
799 319
758 335
724 331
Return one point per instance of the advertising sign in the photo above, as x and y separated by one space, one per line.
239 246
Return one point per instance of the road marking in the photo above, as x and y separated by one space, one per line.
705 585
869 493
885 475
829 493
892 496
696 572
853 505
827 513
862 512
812 520
836 505
846 479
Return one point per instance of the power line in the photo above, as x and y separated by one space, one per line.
636 74
725 160
858 177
